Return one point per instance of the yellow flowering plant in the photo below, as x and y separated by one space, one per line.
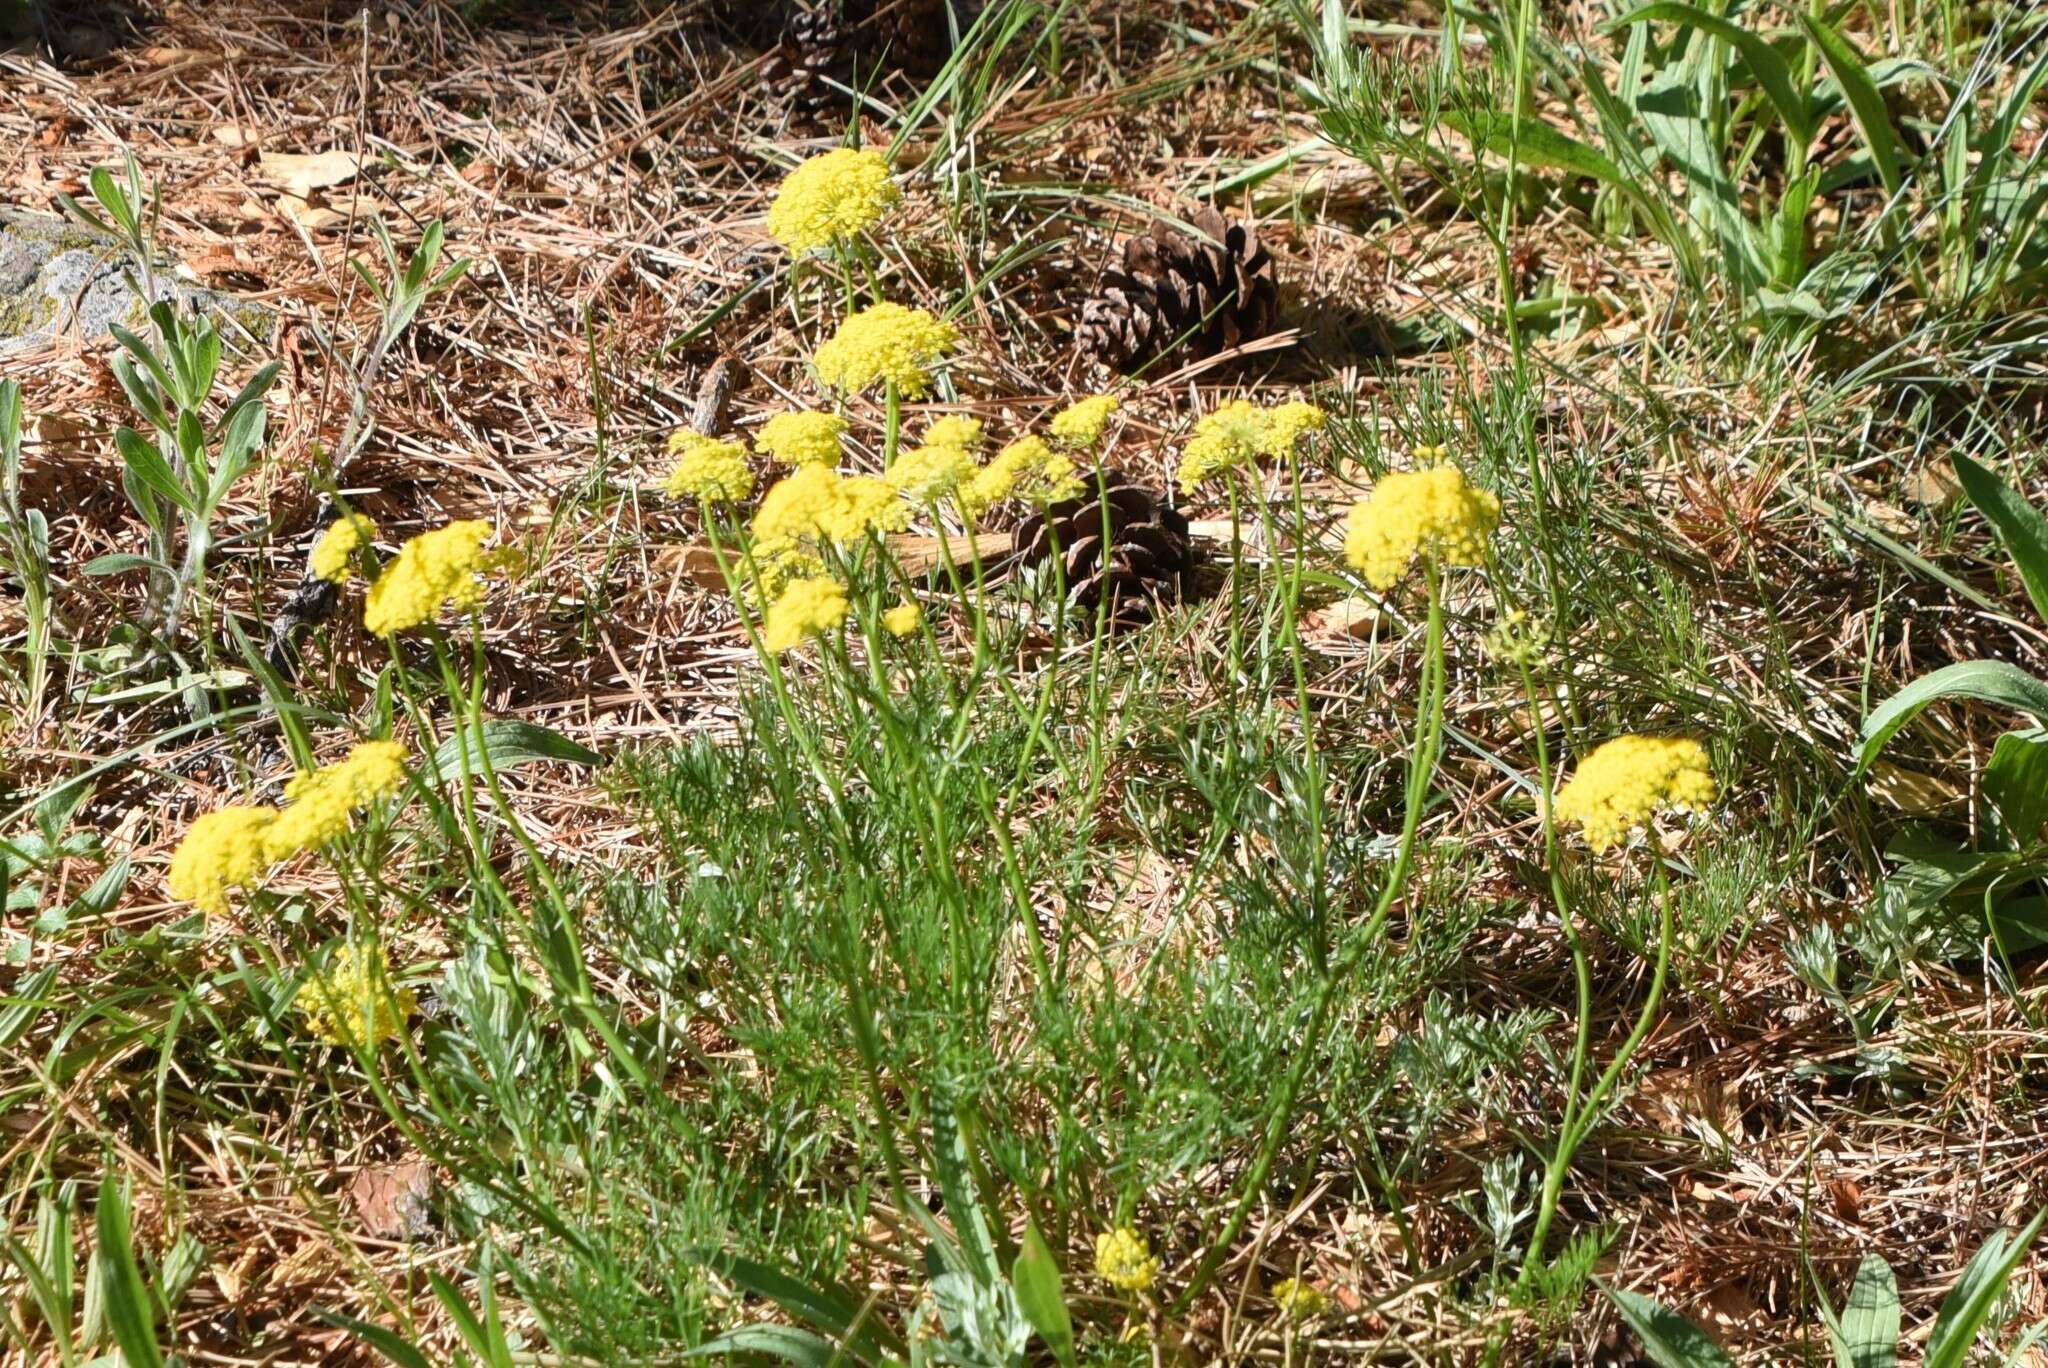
708 470
1429 513
831 198
1125 1261
341 547
351 1000
435 570
886 345
800 439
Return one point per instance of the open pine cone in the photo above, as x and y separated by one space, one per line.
820 46
1213 292
1143 563
810 51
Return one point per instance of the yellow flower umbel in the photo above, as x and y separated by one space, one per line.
903 619
352 1002
801 439
1222 440
804 609
1624 782
958 431
1125 1260
1299 1300
708 470
831 197
1424 512
817 504
886 344
1027 468
1285 426
323 801
927 474
434 569
1079 425
335 554
221 850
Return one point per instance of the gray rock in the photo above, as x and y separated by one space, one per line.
58 281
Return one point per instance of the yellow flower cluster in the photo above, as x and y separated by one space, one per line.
236 846
1232 435
903 619
221 850
1300 1300
886 344
1424 512
958 431
804 609
708 470
928 473
352 1001
1027 468
1125 1260
323 801
1079 425
816 504
1624 781
336 551
831 196
434 569
802 438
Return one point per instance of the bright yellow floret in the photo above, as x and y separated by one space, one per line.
1624 781
1424 512
903 619
928 473
804 609
1285 425
1027 468
830 197
816 504
442 567
1079 425
800 439
886 344
958 431
323 801
352 1000
1125 1260
221 850
1300 1300
708 470
336 551
1223 439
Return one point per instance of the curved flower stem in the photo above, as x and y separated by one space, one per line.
1421 767
1580 1119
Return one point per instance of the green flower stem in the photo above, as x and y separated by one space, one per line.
1579 1119
1421 768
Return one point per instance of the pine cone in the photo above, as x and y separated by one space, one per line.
1215 292
811 52
1147 553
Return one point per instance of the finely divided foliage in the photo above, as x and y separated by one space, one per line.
731 783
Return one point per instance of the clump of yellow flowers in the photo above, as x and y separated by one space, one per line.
801 439
352 1001
903 619
1027 468
436 569
1429 512
830 198
1124 1259
885 344
1299 1299
708 470
340 546
1235 433
236 846
1080 424
1624 782
804 609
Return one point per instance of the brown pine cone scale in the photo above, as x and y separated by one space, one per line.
1139 564
1209 293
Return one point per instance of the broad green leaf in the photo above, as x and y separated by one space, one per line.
129 1305
1036 1276
2016 783
1764 62
150 467
2020 526
827 1306
1668 1338
1988 681
2020 924
23 1005
1538 144
1976 1292
783 1342
508 744
1868 1334
120 563
1866 106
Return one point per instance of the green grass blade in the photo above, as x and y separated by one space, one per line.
1988 681
1866 106
1967 1307
2020 526
129 1305
1771 70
